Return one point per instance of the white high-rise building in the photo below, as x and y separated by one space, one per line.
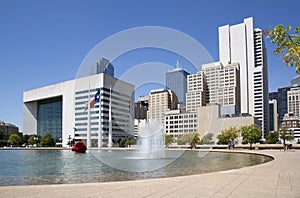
243 44
273 117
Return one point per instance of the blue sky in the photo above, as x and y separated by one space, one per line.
44 42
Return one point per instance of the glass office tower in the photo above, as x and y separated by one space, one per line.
104 66
176 80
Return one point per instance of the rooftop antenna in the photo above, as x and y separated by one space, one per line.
178 66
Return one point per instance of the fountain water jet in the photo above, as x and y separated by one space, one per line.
151 141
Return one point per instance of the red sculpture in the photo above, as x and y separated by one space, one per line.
79 147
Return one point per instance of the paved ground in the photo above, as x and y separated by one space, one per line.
279 178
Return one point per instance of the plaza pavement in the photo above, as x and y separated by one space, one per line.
278 178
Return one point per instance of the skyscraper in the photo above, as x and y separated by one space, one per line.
293 100
176 80
243 44
223 85
282 98
104 66
161 100
196 95
273 117
141 108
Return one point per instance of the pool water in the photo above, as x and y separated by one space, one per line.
32 167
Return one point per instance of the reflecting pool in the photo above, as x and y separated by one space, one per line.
31 167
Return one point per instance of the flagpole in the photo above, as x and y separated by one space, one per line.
110 122
88 135
99 124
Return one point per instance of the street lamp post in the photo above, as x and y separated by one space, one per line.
74 129
69 138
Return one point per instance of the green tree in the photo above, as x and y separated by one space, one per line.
32 140
47 140
122 143
14 139
286 135
3 138
189 138
250 134
272 137
130 141
207 139
25 139
227 135
3 135
222 139
168 139
288 44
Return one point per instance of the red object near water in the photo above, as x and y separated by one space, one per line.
79 147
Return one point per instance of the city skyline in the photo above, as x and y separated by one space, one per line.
44 42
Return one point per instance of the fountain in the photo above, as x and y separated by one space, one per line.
151 141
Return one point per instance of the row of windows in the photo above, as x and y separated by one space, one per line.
180 121
85 91
85 113
180 131
104 128
181 116
102 89
293 97
181 126
106 100
80 103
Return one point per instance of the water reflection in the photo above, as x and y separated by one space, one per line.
27 167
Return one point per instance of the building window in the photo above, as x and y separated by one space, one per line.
49 117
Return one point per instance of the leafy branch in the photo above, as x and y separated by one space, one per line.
288 44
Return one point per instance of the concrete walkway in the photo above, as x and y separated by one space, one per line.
279 178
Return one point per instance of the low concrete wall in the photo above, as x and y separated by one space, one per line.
133 147
239 146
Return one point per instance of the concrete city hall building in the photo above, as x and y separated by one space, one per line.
63 110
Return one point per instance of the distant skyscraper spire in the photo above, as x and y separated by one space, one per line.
103 66
178 66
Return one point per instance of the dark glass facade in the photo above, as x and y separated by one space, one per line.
273 96
176 80
49 117
271 117
104 66
282 101
140 110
